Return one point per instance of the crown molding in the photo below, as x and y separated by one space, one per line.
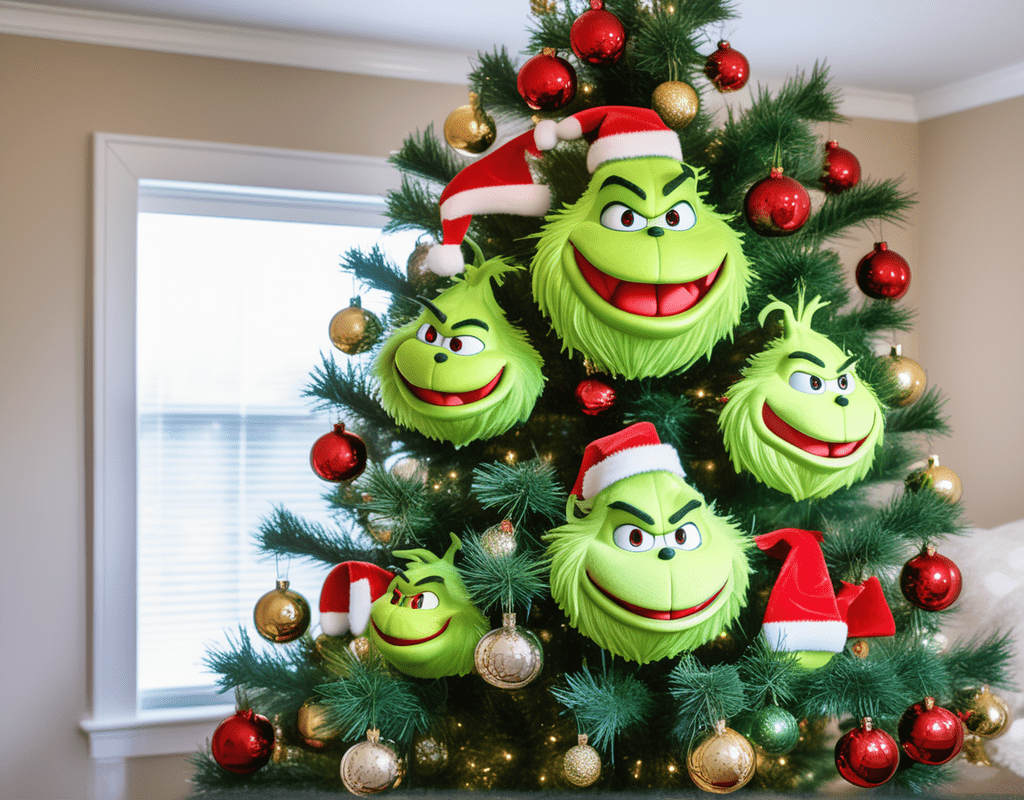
412 62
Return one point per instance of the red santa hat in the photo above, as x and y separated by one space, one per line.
631 451
804 612
501 181
347 594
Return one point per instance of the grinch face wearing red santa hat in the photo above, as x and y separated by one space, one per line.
650 570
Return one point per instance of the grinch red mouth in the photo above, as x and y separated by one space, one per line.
646 299
406 642
650 613
816 447
436 398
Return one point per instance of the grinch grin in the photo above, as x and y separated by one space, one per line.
393 640
650 613
816 447
646 299
436 398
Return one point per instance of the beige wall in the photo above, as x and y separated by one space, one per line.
54 95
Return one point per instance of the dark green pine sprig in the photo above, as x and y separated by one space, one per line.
769 675
503 583
984 659
283 533
424 155
607 704
704 695
494 80
521 490
315 773
867 202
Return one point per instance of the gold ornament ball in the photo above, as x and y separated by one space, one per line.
429 754
499 540
721 761
508 657
372 766
354 330
582 765
676 103
311 723
990 715
939 479
360 647
860 648
974 751
468 130
281 615
910 376
380 528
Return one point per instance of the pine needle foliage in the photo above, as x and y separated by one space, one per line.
506 582
425 156
606 704
284 534
519 490
983 660
704 695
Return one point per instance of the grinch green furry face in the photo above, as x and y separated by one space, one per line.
651 571
425 625
640 275
460 371
800 420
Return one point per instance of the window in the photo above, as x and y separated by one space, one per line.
146 190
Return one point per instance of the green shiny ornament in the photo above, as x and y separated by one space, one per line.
774 730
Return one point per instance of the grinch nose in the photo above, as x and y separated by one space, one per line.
655 231
440 358
666 553
842 401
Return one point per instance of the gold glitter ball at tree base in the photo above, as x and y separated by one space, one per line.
508 657
582 765
721 761
372 766
281 615
990 715
676 103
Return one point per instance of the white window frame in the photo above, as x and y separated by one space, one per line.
117 729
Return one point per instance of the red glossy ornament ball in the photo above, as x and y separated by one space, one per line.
597 36
244 742
931 581
338 456
867 756
883 274
777 205
930 734
546 82
594 396
841 170
727 69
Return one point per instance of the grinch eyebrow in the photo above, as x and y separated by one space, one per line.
682 177
684 511
429 579
478 322
847 363
616 180
442 317
400 573
621 505
807 357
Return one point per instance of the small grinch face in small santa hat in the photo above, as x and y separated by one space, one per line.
461 371
801 420
650 570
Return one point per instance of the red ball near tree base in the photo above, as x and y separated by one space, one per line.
546 82
841 170
867 756
777 205
931 581
883 274
338 456
244 742
930 734
727 69
597 36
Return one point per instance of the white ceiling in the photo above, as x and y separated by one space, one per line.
919 48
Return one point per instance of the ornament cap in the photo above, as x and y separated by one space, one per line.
723 44
928 703
933 461
282 586
866 724
508 621
720 727
881 246
831 144
776 172
896 351
582 738
373 735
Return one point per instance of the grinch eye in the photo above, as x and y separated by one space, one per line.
844 384
686 537
620 217
807 383
681 217
632 539
464 345
424 601
396 597
428 333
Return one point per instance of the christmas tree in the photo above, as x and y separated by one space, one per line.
634 470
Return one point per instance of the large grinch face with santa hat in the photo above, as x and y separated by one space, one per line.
460 371
640 275
649 570
801 420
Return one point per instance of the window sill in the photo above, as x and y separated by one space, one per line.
153 733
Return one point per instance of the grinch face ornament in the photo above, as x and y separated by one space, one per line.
800 420
648 570
640 275
460 371
424 625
